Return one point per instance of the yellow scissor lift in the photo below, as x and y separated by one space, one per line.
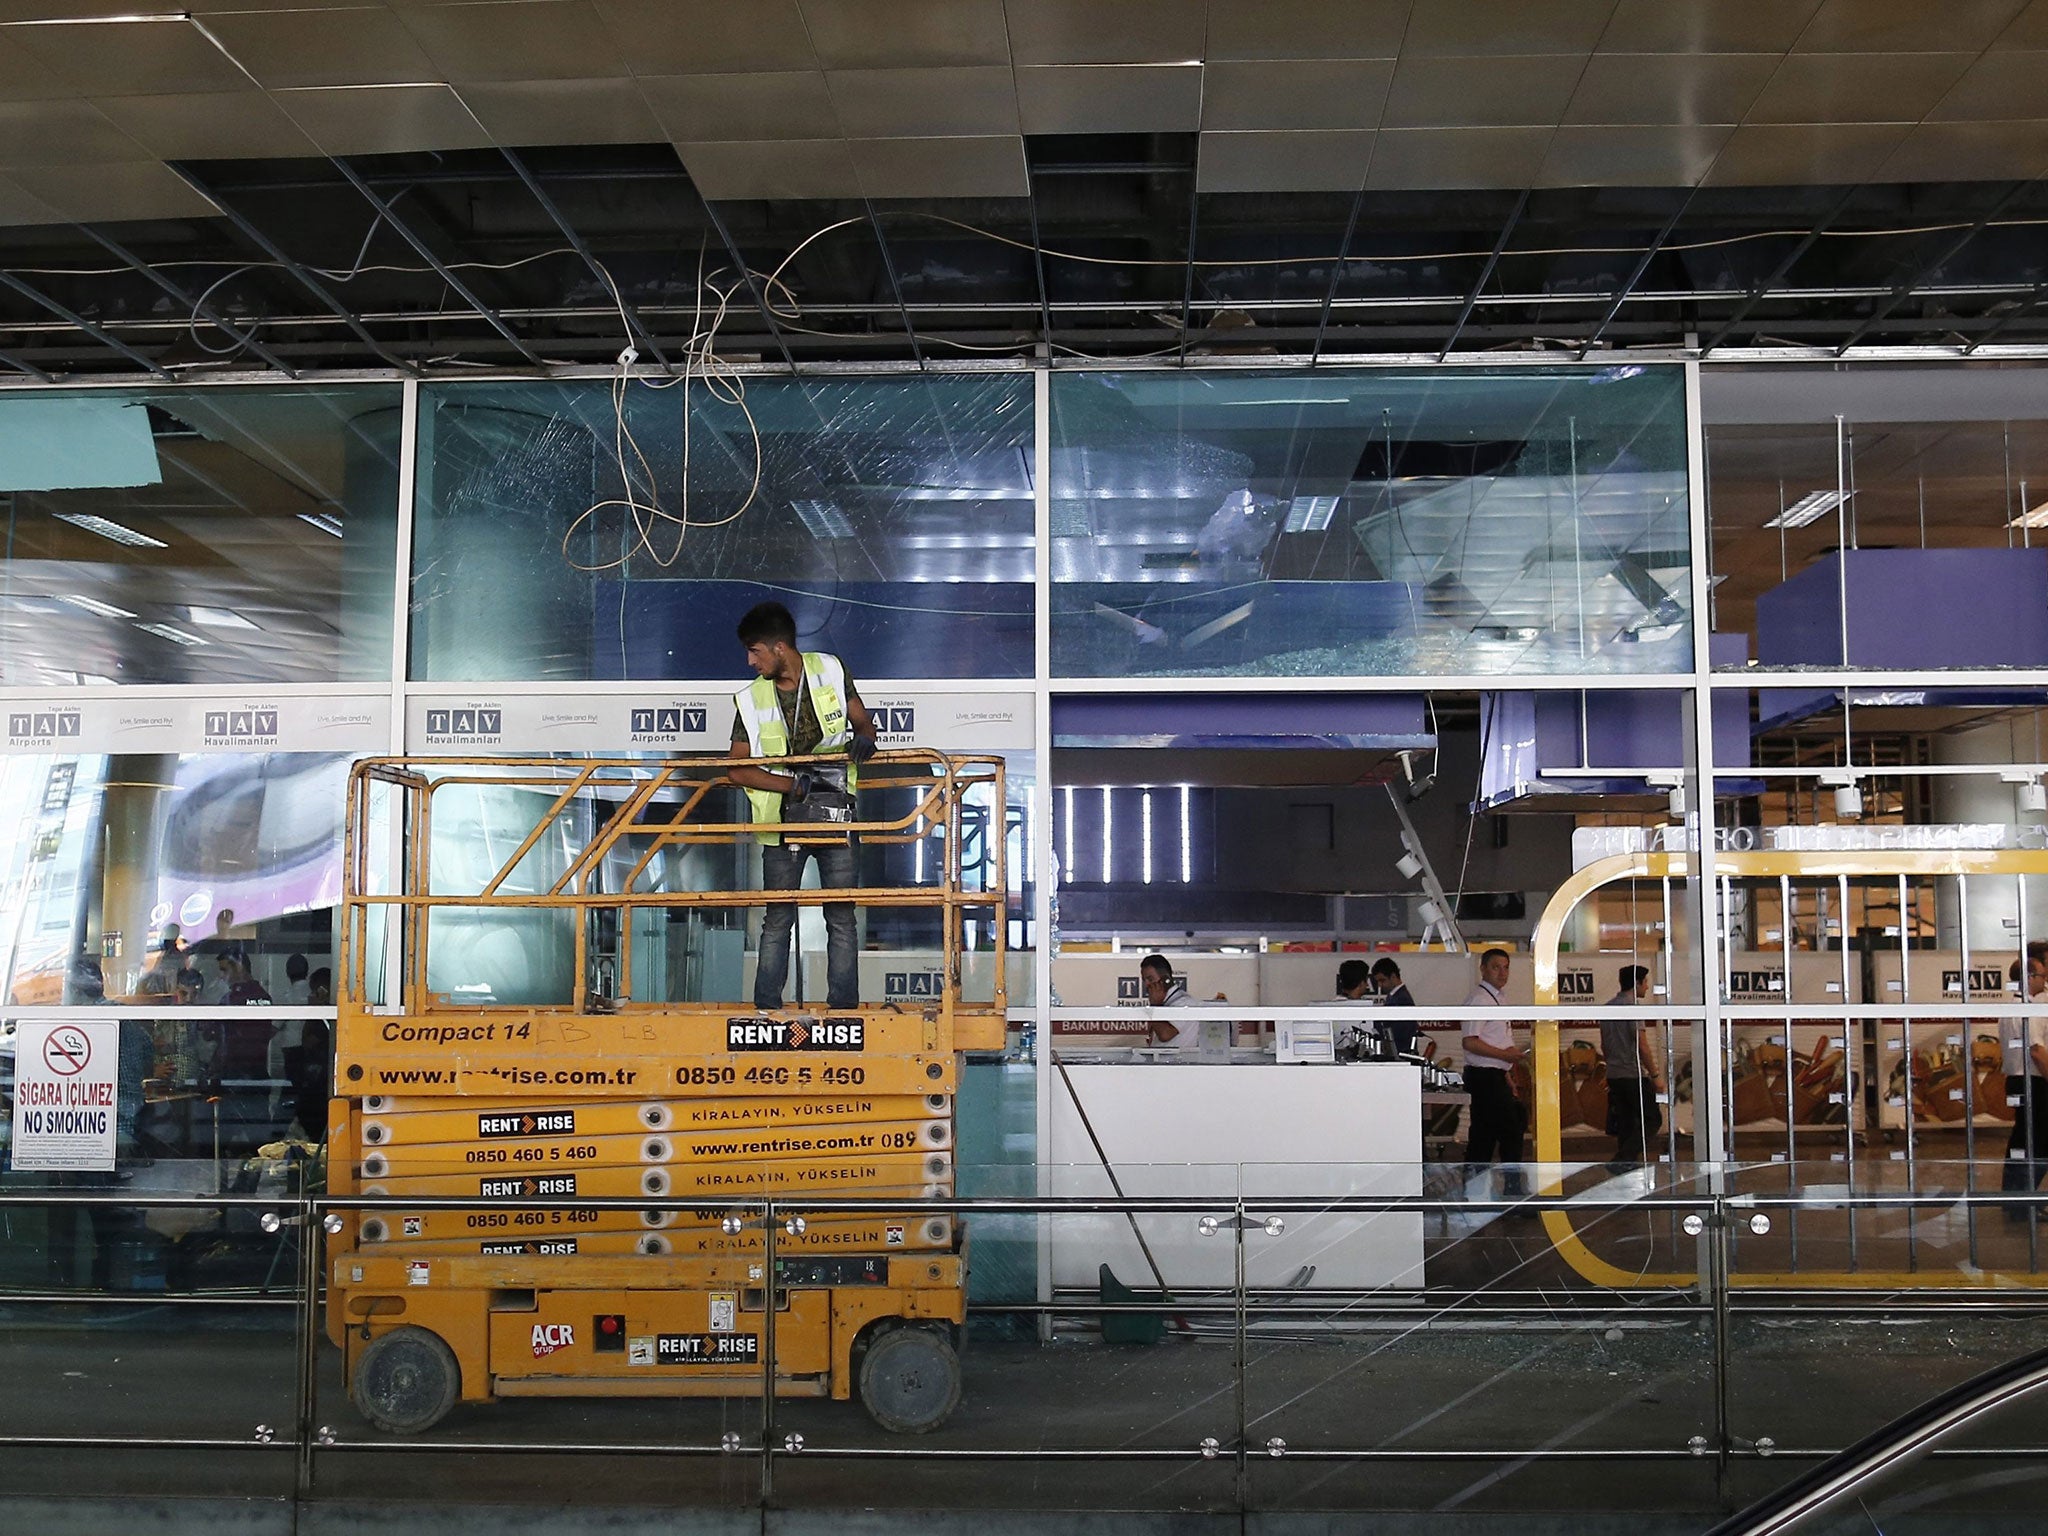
501 1118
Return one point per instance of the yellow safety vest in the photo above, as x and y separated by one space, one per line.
768 734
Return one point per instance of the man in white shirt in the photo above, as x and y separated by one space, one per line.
1497 1119
1164 990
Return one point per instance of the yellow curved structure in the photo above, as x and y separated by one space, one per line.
1860 864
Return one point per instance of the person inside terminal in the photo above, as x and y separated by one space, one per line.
801 704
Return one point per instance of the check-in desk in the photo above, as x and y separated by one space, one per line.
1178 1126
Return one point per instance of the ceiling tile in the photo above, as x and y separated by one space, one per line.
709 37
24 77
223 126
528 40
2028 30
1306 29
336 47
1332 161
1857 87
1674 155
1464 27
925 103
906 34
1707 26
1907 26
2007 85
1451 159
1105 31
1295 93
794 168
790 104
60 133
138 60
1081 98
1620 88
528 112
1970 152
1804 154
19 206
983 167
384 119
109 193
1466 93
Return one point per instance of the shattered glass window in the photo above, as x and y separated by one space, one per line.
1369 523
571 531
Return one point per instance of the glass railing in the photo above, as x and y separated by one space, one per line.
1181 1338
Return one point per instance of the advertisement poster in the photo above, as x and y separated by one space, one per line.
64 1096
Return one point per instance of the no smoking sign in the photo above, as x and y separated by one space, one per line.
67 1050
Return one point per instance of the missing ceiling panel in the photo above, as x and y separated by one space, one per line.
71 443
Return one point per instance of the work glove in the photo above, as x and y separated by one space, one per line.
800 784
861 748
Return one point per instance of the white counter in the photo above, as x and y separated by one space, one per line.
1196 1129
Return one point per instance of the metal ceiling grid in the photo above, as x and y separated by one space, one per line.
1179 178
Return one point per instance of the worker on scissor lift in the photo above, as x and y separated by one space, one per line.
800 704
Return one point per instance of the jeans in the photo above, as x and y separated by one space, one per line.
782 869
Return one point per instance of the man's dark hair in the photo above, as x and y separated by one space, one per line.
1632 976
320 978
766 623
1351 973
1386 968
1158 963
1494 954
296 967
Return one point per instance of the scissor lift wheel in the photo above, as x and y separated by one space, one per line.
406 1380
910 1380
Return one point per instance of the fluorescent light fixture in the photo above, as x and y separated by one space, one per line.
1253 402
172 633
1067 861
1187 857
1146 867
1310 514
1105 834
2038 518
93 21
217 618
1810 508
94 605
326 522
119 533
823 520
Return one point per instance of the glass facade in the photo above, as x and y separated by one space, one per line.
629 530
1284 601
223 536
1337 524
